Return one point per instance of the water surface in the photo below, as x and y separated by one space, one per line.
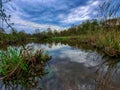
74 69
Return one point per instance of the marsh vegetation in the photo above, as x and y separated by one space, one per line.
17 62
90 49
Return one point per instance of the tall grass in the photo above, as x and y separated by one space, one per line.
109 41
15 62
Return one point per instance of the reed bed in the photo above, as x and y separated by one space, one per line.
15 62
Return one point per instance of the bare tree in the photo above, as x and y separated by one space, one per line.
4 18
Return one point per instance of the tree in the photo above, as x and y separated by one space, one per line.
37 31
3 16
49 32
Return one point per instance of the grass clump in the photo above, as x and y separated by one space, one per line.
16 62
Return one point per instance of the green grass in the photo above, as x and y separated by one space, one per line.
57 39
17 61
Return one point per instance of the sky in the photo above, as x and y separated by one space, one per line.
29 15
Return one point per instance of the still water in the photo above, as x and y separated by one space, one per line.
72 68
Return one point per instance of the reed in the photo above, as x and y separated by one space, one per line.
16 62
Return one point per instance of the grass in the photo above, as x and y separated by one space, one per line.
57 39
17 62
109 41
106 41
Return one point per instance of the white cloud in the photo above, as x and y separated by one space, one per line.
29 26
32 14
19 21
82 13
17 18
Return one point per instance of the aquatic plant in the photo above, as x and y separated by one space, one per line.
16 62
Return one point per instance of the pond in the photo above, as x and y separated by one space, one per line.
72 68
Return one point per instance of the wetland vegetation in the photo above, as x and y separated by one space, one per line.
48 60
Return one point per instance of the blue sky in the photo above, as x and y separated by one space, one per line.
56 14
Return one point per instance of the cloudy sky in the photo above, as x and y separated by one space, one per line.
56 14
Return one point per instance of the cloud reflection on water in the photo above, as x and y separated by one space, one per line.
76 69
